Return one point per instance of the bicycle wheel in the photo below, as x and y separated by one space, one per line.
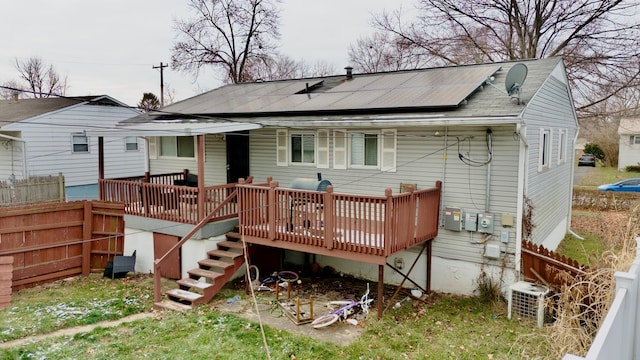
254 273
289 276
324 320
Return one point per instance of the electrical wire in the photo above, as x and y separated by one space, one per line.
471 162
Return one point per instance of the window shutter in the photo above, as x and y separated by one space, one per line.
281 148
153 147
389 150
339 149
323 149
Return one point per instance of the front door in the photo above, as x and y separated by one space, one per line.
237 156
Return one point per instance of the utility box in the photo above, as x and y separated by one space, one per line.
453 219
485 223
471 221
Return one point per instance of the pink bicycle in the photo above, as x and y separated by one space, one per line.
347 307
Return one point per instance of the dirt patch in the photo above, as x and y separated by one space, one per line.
76 330
322 290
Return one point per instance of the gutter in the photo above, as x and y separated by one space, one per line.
570 214
522 186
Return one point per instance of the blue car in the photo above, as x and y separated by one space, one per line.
632 185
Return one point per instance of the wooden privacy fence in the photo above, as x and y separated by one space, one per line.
53 241
545 266
34 190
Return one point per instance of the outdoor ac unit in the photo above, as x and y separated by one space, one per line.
528 300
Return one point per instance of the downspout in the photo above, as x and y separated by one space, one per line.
575 139
522 178
24 152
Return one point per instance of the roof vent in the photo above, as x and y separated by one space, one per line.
349 70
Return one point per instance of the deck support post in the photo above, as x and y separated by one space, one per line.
380 290
429 250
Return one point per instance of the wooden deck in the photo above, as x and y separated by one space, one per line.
356 227
362 228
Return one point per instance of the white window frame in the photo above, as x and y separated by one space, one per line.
635 140
131 140
302 161
176 156
350 149
562 146
75 143
544 150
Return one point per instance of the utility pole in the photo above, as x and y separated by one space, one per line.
161 67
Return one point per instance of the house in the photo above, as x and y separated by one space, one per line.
436 173
47 136
629 144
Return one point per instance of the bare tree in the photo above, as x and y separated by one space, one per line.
228 34
283 67
384 51
10 90
41 79
598 39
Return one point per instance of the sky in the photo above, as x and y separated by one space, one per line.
110 47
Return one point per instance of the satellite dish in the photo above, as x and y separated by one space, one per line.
515 78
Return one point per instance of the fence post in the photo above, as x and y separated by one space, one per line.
6 274
61 188
87 230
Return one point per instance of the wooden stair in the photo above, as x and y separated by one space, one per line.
204 282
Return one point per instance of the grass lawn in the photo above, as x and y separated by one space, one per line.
448 327
605 175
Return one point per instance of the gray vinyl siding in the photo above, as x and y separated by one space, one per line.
215 162
549 190
421 161
49 144
11 164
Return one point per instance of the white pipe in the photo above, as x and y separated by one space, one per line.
575 235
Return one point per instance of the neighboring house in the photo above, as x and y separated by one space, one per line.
498 157
629 145
47 136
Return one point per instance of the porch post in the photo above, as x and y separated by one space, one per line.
328 217
271 213
100 167
201 193
380 290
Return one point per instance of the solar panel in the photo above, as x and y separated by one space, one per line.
439 87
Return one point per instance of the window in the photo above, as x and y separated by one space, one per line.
363 149
562 146
545 149
177 146
635 140
131 143
80 144
303 149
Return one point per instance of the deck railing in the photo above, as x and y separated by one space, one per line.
373 225
156 197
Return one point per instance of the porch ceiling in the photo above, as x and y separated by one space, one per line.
174 128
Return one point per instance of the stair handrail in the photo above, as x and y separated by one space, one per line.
157 292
